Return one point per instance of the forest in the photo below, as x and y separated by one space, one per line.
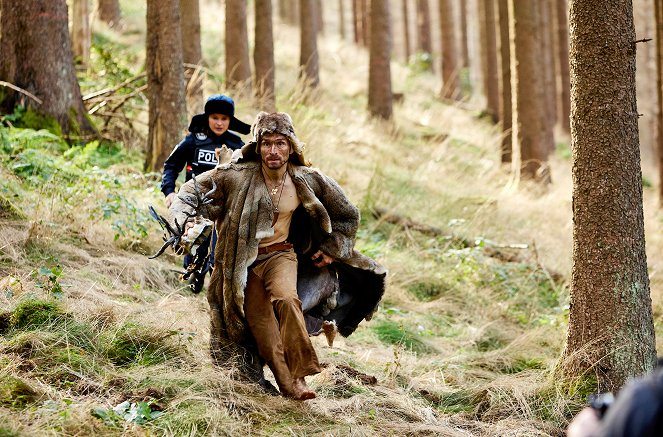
506 158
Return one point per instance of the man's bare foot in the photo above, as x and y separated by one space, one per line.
301 390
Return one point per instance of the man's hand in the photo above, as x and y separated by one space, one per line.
170 198
585 424
321 259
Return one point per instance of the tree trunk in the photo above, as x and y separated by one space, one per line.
406 30
449 62
341 19
80 32
238 68
464 49
562 65
526 83
504 64
611 332
488 48
548 71
308 56
37 56
263 56
165 81
288 11
109 12
319 17
192 54
658 13
424 44
379 74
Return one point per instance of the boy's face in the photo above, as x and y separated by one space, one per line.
218 123
275 150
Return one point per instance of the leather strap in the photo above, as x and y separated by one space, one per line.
275 248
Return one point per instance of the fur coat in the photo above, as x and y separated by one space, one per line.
345 292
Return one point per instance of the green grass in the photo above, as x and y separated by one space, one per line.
393 333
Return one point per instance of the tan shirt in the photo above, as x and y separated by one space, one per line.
286 205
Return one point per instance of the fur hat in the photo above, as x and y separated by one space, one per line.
276 123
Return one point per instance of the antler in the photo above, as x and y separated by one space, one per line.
175 235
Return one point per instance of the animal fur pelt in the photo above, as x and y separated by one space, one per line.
347 292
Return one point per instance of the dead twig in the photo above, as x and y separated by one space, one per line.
22 91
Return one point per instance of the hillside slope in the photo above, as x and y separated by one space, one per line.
96 339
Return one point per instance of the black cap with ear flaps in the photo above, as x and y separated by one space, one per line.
219 104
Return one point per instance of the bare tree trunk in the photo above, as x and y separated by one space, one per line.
238 68
308 57
526 83
379 75
109 12
488 44
449 61
288 11
424 43
406 30
464 49
548 71
658 13
504 64
165 81
80 31
319 17
263 56
363 14
192 54
563 80
341 19
611 331
37 56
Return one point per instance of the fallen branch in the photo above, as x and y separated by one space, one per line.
113 89
22 91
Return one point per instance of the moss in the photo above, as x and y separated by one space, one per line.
16 393
31 314
36 120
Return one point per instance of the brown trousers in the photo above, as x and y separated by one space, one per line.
274 315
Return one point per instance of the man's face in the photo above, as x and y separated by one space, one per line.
275 150
218 123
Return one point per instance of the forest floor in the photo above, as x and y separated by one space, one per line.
97 339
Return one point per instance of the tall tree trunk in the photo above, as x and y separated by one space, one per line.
611 331
263 56
288 11
464 49
192 54
308 56
504 66
379 73
341 19
562 66
424 43
319 17
37 56
548 70
165 81
658 13
488 45
109 12
238 68
80 31
406 30
449 61
526 83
